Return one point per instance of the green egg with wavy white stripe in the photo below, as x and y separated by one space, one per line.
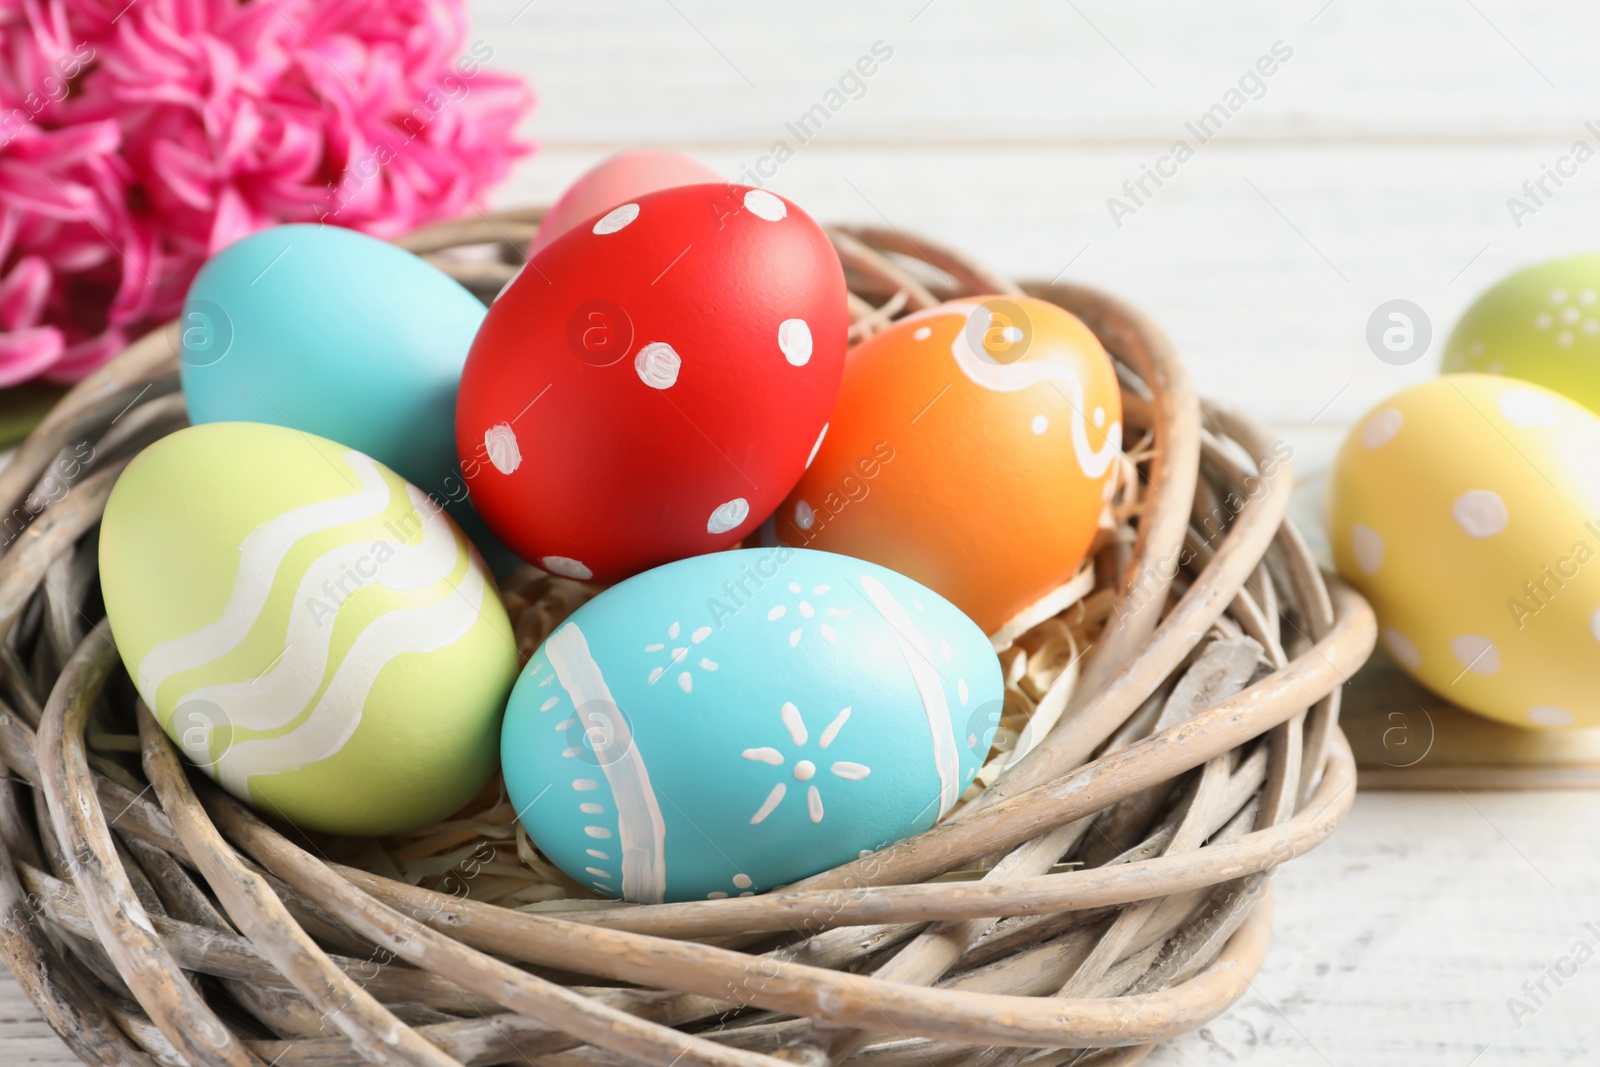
307 627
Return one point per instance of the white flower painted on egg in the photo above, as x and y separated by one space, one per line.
795 617
804 770
679 662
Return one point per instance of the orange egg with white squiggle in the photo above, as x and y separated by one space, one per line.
972 448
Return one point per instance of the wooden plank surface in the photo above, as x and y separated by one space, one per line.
1376 163
1405 737
1402 940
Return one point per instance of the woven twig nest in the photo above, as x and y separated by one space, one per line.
1170 736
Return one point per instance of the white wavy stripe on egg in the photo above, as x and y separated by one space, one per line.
1014 377
260 555
336 715
277 697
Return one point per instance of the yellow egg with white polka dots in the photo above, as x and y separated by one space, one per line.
1467 510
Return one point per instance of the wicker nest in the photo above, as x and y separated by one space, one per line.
1170 736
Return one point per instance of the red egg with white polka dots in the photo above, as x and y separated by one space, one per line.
654 381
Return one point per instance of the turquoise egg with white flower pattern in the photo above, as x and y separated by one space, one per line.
734 722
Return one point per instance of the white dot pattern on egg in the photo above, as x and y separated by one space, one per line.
1525 407
1536 325
1486 575
1367 544
657 365
1041 424
794 341
616 219
728 516
1382 428
763 205
1402 648
1476 653
500 445
567 567
1480 513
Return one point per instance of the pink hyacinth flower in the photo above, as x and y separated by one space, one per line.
136 140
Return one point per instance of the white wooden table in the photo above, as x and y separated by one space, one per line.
1376 164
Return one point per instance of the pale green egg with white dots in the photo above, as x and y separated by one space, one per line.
1541 324
308 627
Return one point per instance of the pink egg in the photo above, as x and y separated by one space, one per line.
620 178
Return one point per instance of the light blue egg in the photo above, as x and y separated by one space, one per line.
342 336
734 722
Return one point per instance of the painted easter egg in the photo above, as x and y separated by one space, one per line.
307 627
1541 324
1467 510
731 723
972 449
341 335
616 180
651 384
